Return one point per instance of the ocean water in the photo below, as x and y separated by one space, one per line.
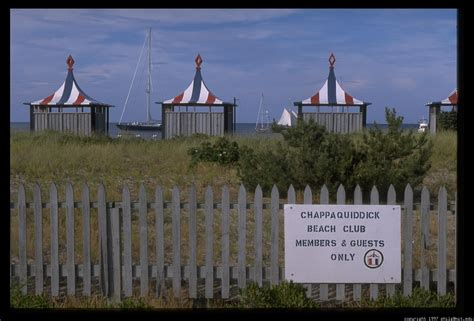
242 129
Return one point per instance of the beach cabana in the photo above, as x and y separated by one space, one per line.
69 109
338 114
197 110
435 108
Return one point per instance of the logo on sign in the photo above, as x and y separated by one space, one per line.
373 259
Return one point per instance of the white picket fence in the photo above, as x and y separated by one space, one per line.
114 273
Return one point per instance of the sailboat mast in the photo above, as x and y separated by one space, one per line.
148 88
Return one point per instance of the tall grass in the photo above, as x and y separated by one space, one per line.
443 163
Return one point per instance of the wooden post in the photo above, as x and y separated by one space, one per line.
434 112
300 111
32 119
363 110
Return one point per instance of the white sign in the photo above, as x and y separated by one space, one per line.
342 243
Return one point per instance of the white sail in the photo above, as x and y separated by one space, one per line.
287 118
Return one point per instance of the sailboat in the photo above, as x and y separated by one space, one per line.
288 118
150 124
263 122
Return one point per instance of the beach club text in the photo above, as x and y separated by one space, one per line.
342 243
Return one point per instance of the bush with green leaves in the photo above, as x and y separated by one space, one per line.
18 300
312 156
448 120
222 152
392 156
283 295
420 298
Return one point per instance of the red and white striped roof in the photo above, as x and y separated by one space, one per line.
197 92
452 98
332 93
69 94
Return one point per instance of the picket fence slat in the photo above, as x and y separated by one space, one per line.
209 219
357 288
442 227
127 242
176 237
54 223
192 243
425 201
86 241
408 230
324 287
71 277
225 281
242 220
38 212
22 238
258 235
274 232
160 241
116 286
391 200
103 250
374 200
341 200
308 199
142 221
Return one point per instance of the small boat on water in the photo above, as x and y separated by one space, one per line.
423 125
288 118
150 124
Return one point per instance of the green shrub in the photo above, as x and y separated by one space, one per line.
222 152
448 120
420 298
393 156
312 156
283 295
133 303
19 300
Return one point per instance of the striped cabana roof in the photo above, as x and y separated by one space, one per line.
197 92
69 94
331 93
452 100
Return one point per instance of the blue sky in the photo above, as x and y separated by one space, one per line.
400 58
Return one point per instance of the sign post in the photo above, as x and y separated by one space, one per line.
342 243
